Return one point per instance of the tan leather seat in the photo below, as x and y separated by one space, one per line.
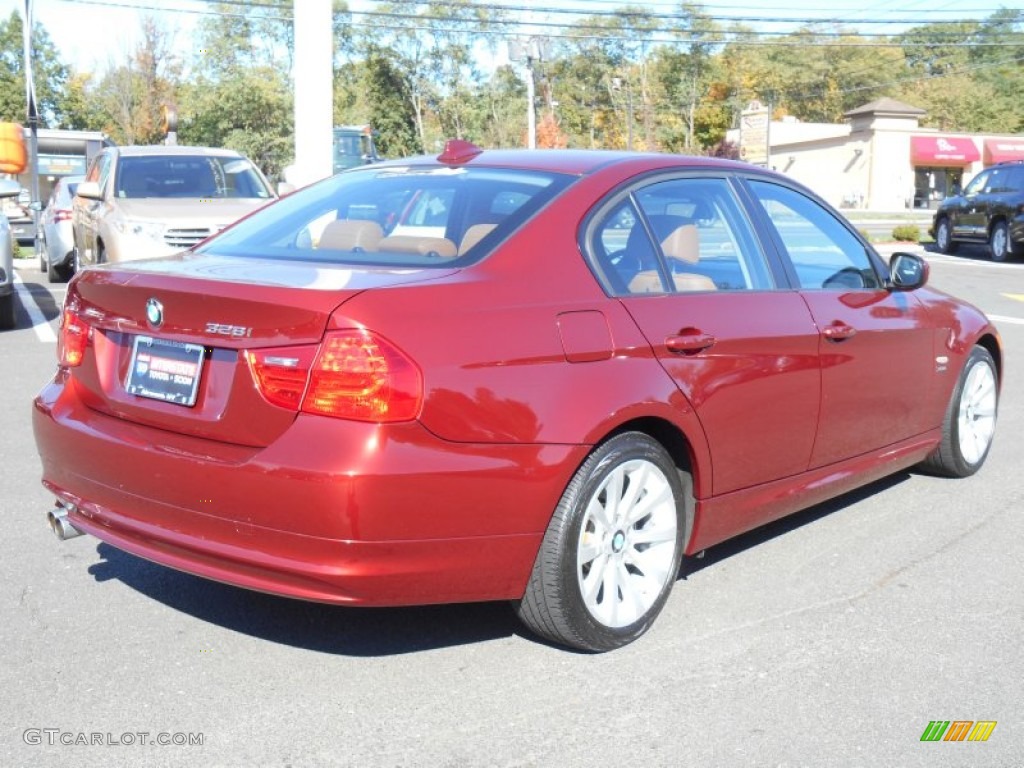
648 281
434 247
351 235
474 235
683 245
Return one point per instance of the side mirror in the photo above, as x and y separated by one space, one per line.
907 272
89 190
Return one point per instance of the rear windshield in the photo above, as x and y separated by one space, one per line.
394 216
193 176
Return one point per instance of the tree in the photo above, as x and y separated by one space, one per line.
131 96
49 74
391 107
432 44
242 97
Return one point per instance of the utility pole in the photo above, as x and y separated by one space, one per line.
314 91
32 118
617 86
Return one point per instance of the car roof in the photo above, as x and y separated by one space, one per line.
161 150
573 161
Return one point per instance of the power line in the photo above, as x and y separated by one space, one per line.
497 20
563 32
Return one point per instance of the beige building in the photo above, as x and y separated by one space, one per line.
882 158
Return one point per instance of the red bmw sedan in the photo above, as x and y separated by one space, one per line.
543 377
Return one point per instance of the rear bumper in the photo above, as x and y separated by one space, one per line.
333 511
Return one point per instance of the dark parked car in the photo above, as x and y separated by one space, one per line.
19 216
9 190
989 211
542 377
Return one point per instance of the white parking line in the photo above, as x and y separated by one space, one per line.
1005 319
961 262
39 323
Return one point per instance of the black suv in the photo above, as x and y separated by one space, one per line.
989 210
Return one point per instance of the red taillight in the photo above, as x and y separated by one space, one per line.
74 338
281 374
61 214
355 375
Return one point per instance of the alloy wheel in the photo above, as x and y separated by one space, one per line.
627 541
976 422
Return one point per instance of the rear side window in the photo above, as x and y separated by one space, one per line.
824 253
675 236
395 215
1016 179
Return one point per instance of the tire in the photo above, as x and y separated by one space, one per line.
44 258
59 273
7 318
944 236
636 555
999 242
970 421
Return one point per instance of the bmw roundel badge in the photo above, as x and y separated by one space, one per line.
155 313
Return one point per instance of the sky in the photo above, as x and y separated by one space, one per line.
91 34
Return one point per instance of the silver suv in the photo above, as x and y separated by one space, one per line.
144 202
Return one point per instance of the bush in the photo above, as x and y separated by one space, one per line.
907 233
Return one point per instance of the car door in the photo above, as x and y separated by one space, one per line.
970 219
877 361
87 213
681 256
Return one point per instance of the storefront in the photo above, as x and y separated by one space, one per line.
882 158
939 163
1003 150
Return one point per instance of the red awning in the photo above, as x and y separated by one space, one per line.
943 150
1001 150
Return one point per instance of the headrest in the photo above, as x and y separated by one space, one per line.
474 235
435 247
351 235
683 244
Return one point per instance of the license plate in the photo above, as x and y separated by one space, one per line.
165 370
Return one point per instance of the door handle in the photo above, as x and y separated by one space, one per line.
689 341
838 331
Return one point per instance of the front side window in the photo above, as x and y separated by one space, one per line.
977 184
395 215
678 235
824 253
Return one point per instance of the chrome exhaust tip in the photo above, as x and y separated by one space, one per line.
60 525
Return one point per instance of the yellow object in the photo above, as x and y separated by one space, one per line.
13 156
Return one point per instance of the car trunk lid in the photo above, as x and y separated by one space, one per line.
189 320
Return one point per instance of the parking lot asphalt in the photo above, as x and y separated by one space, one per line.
831 638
